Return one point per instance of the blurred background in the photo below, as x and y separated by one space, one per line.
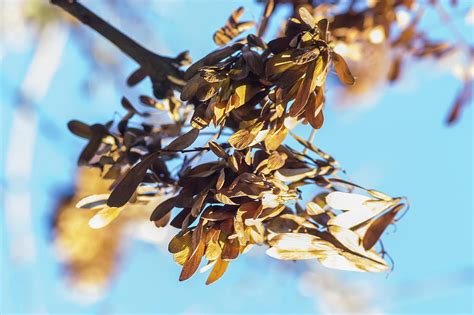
389 136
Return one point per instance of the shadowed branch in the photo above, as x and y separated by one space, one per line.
163 71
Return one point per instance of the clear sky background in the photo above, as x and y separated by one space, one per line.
397 143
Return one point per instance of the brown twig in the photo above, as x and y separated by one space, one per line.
162 70
310 139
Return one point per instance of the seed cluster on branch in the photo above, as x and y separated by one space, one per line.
216 165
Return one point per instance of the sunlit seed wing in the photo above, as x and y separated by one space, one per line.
335 260
93 201
179 242
281 254
307 17
353 243
303 94
313 208
104 217
218 271
292 175
362 213
299 242
346 201
192 263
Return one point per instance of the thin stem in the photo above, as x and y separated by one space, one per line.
213 136
447 20
188 150
310 139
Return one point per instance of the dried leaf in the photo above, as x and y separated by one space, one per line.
232 28
302 56
378 226
218 270
278 64
244 137
294 174
275 138
98 132
163 209
313 112
231 249
183 141
163 221
212 58
191 87
80 129
217 213
291 255
192 264
299 242
346 201
276 160
126 187
395 69
305 90
314 209
359 211
462 99
269 7
307 17
350 262
136 77
181 257
224 199
220 180
180 242
342 69
198 202
323 26
352 241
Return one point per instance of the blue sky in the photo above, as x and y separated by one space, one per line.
399 145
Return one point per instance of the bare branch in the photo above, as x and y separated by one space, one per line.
163 71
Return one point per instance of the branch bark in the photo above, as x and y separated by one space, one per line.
119 39
163 71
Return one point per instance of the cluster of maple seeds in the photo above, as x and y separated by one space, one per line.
260 92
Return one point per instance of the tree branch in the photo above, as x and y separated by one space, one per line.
163 71
119 39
